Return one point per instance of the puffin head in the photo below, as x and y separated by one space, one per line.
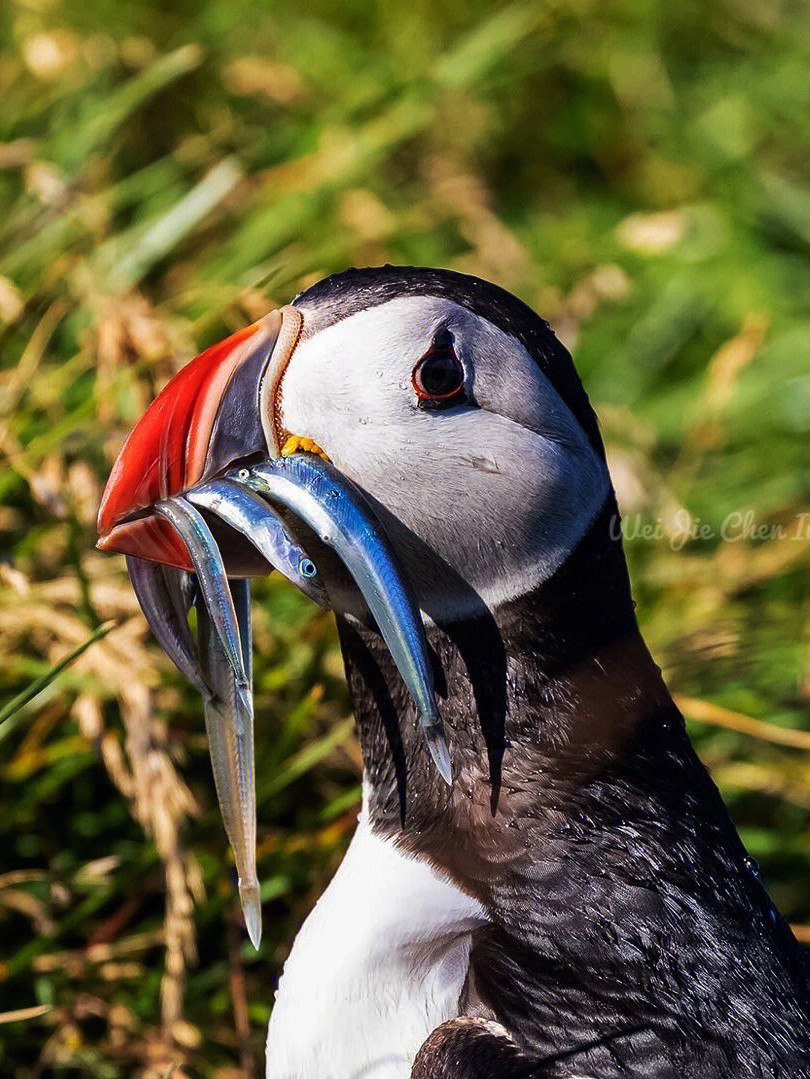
458 411
448 401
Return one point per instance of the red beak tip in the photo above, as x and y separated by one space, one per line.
165 453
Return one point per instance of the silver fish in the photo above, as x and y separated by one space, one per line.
224 644
335 509
220 666
229 723
248 513
189 524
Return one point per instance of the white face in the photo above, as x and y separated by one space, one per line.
484 499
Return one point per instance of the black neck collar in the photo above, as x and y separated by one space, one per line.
510 686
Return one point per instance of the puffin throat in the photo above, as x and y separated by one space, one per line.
528 696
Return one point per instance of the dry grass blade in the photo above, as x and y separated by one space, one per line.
21 1015
717 716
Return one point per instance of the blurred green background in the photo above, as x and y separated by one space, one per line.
637 171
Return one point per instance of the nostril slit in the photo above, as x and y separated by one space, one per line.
308 568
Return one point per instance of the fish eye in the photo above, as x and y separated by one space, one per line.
308 568
439 374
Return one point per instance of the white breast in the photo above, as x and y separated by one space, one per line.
377 965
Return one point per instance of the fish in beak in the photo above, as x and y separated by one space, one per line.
199 501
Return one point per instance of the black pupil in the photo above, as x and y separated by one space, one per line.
440 374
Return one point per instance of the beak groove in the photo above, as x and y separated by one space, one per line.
221 407
167 448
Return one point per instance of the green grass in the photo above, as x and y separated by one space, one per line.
638 172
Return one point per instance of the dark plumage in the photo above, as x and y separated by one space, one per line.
630 932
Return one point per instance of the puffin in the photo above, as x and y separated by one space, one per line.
544 881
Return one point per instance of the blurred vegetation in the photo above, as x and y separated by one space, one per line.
637 171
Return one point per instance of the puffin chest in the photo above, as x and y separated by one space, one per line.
378 964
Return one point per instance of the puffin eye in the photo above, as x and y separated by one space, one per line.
438 376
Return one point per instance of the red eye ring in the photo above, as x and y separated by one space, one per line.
438 376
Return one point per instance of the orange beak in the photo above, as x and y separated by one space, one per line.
208 417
